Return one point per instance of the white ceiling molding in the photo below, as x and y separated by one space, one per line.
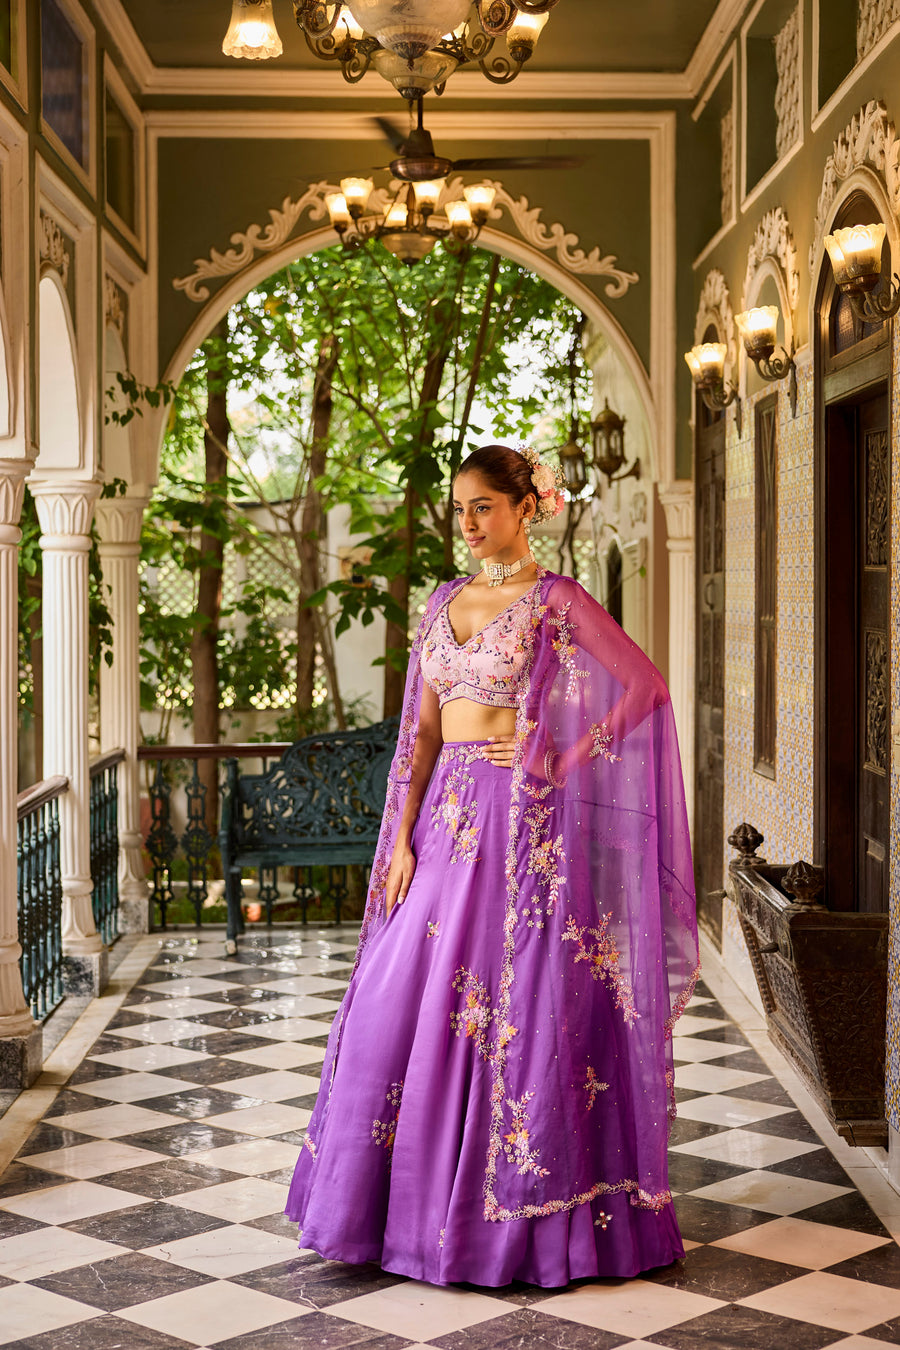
283 221
713 42
123 33
868 141
774 239
352 126
274 82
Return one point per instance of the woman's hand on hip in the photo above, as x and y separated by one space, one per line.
501 750
400 875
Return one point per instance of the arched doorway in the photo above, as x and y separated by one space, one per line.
853 551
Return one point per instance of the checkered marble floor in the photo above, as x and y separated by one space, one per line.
145 1209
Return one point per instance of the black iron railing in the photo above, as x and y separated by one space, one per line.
40 895
105 843
183 853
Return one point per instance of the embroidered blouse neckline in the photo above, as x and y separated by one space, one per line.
491 621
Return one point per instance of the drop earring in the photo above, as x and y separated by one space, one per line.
526 523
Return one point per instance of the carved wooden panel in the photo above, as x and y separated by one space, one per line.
877 696
877 490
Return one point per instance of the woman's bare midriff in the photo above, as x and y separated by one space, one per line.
464 720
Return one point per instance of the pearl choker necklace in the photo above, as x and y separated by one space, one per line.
497 573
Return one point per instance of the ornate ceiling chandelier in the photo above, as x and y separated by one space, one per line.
407 222
416 45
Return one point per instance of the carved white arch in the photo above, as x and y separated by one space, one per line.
246 244
59 418
868 145
714 307
773 243
262 266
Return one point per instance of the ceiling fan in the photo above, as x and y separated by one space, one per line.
417 162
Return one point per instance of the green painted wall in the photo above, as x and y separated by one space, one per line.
209 189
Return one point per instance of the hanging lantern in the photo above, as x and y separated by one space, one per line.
574 466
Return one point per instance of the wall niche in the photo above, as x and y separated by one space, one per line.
772 47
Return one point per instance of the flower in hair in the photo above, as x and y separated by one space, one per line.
547 482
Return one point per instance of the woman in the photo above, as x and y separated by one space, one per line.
498 1083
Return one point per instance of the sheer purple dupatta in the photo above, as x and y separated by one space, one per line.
599 942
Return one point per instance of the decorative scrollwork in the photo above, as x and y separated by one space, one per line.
877 697
877 497
322 789
258 239
774 239
54 247
714 308
496 16
869 139
115 306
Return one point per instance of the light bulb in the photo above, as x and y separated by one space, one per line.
347 28
758 327
480 197
356 194
395 216
338 210
693 364
525 30
707 362
428 195
460 217
252 35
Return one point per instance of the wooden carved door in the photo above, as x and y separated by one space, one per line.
710 737
858 656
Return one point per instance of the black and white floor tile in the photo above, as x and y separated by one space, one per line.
144 1210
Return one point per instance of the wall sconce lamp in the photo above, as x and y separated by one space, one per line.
855 254
706 362
608 439
757 328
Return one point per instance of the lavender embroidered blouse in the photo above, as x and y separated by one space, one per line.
486 669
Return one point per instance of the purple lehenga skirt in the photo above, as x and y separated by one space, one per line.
393 1167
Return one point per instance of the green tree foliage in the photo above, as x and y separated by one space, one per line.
426 361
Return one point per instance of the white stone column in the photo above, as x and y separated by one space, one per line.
678 503
65 510
119 522
20 1038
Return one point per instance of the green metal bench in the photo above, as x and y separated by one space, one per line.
320 805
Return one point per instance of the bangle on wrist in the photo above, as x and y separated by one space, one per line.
549 759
